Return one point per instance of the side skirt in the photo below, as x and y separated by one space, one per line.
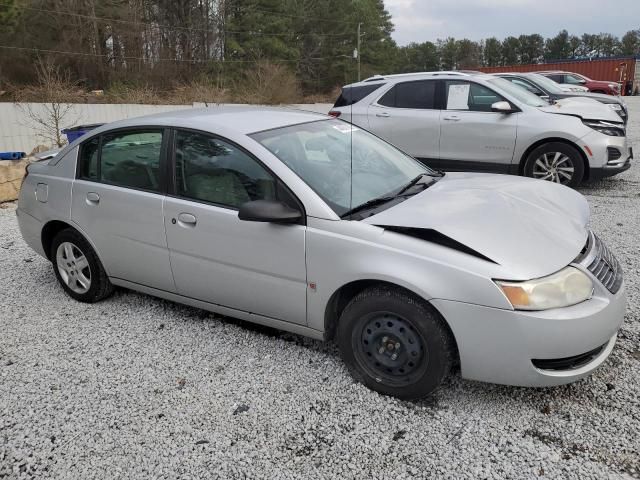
226 311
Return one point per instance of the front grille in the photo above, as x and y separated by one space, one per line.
568 363
604 266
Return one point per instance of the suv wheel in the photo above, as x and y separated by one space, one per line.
394 343
555 162
78 268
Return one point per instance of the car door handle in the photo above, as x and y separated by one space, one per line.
383 115
187 220
452 118
93 198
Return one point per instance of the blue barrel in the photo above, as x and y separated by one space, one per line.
12 155
74 133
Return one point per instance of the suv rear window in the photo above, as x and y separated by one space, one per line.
351 95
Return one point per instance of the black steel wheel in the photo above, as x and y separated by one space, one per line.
395 343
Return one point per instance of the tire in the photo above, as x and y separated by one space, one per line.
540 164
78 268
372 326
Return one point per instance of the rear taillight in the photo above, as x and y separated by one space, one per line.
335 113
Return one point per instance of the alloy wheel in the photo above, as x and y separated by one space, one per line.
73 267
555 167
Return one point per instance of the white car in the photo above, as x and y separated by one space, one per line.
459 121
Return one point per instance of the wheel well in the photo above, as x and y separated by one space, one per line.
532 147
341 298
49 232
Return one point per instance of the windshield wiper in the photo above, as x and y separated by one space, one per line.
371 203
413 183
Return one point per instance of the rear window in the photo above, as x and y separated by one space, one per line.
351 95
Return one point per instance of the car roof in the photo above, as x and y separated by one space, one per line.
240 119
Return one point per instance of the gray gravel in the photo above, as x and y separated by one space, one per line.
140 387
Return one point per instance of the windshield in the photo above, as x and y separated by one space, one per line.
519 93
546 83
322 154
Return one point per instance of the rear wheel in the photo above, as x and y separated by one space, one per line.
395 343
555 162
78 268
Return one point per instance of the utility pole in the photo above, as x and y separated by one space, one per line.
359 25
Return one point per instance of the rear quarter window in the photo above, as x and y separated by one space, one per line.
351 95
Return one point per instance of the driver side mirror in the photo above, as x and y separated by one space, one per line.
271 211
502 107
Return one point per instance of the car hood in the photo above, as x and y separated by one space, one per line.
601 97
531 228
580 107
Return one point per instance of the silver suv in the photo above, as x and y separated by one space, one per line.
460 121
311 225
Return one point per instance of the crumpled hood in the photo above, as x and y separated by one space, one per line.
532 228
594 110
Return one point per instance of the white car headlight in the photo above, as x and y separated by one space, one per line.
616 106
562 289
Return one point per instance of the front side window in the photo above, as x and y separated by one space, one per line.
211 170
126 159
417 95
461 95
573 80
344 165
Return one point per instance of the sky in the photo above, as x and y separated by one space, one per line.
422 20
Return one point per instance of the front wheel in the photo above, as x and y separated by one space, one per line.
395 343
555 162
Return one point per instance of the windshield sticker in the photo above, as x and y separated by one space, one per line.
458 97
346 128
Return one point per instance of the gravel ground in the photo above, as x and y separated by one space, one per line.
140 387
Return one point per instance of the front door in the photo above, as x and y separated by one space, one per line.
472 137
117 202
218 258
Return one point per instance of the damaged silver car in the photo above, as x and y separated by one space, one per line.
312 225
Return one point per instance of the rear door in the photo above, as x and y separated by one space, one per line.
216 257
473 137
117 203
408 116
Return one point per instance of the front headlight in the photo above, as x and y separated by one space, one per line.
616 106
562 289
608 128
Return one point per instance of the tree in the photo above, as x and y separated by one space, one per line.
417 57
531 48
630 44
492 52
468 54
55 90
448 51
558 46
510 48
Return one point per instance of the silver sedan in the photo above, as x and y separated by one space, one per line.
312 225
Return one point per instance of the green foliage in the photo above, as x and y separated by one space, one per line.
630 44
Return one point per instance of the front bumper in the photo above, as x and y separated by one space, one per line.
499 346
607 155
542 348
